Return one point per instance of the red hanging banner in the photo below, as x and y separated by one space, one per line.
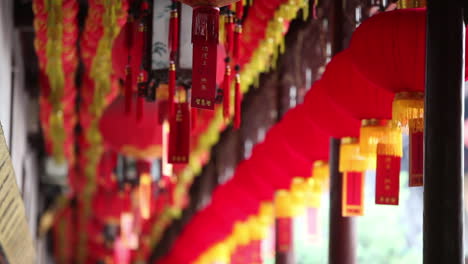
353 193
387 184
179 134
416 152
284 234
205 26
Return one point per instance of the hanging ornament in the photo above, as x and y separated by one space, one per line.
179 134
284 223
205 39
389 155
352 164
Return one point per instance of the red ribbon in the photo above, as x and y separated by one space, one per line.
179 134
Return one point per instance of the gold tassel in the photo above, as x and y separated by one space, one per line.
283 204
222 30
350 156
321 170
391 144
372 130
314 188
407 106
416 125
298 191
403 4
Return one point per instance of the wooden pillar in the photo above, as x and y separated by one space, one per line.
443 134
342 237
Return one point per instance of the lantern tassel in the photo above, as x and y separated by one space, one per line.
350 156
407 106
237 102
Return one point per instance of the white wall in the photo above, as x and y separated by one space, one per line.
6 31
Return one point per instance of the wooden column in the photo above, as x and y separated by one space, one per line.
443 134
342 237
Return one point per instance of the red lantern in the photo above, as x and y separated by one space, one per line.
302 135
126 134
323 112
394 60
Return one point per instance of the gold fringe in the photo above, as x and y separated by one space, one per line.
283 204
404 4
407 106
298 192
350 156
371 132
416 125
392 143
222 30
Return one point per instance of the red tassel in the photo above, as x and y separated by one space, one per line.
205 27
174 34
239 10
172 87
128 89
194 117
179 134
229 25
237 103
236 48
227 91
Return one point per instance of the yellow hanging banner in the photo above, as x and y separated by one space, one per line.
16 246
